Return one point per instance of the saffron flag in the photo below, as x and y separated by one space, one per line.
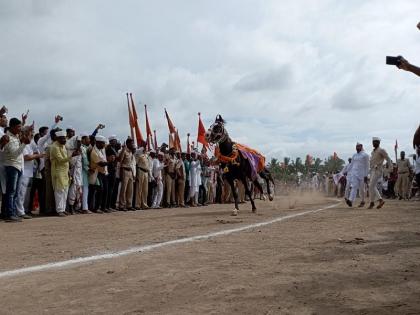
170 124
201 134
335 156
171 141
139 137
178 146
149 135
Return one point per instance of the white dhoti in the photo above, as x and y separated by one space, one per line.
61 199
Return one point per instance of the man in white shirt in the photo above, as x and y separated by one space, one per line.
13 162
157 168
359 170
25 181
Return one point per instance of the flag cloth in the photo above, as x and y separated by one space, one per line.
130 119
149 135
139 138
170 124
171 141
335 156
177 142
201 134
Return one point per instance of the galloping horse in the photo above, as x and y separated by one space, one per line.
238 162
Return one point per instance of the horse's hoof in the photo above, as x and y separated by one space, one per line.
271 197
254 210
235 212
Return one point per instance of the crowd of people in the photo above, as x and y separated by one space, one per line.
373 178
60 172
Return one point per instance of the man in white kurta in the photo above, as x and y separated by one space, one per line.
76 174
194 179
359 170
346 172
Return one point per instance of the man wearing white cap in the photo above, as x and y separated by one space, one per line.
359 170
98 163
60 171
377 158
85 171
76 173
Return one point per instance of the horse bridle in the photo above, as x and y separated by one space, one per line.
221 136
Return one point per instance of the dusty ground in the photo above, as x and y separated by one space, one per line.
304 265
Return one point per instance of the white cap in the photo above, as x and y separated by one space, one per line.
84 134
61 133
70 127
100 138
112 137
161 154
140 150
376 139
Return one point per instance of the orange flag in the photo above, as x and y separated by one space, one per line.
201 135
170 124
335 156
139 137
130 118
171 141
178 142
188 144
148 129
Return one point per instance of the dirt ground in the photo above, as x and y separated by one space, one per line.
336 261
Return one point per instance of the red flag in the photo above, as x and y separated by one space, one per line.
170 124
188 144
201 135
130 118
148 129
155 140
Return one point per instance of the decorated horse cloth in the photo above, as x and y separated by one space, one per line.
256 159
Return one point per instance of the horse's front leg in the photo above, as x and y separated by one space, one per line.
235 195
248 192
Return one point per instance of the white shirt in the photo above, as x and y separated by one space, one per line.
13 152
157 169
28 166
359 165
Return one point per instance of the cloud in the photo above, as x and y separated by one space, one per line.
273 79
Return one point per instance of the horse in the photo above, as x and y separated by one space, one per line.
238 162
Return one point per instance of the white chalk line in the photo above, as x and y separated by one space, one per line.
146 248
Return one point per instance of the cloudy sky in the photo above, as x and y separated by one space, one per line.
290 77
